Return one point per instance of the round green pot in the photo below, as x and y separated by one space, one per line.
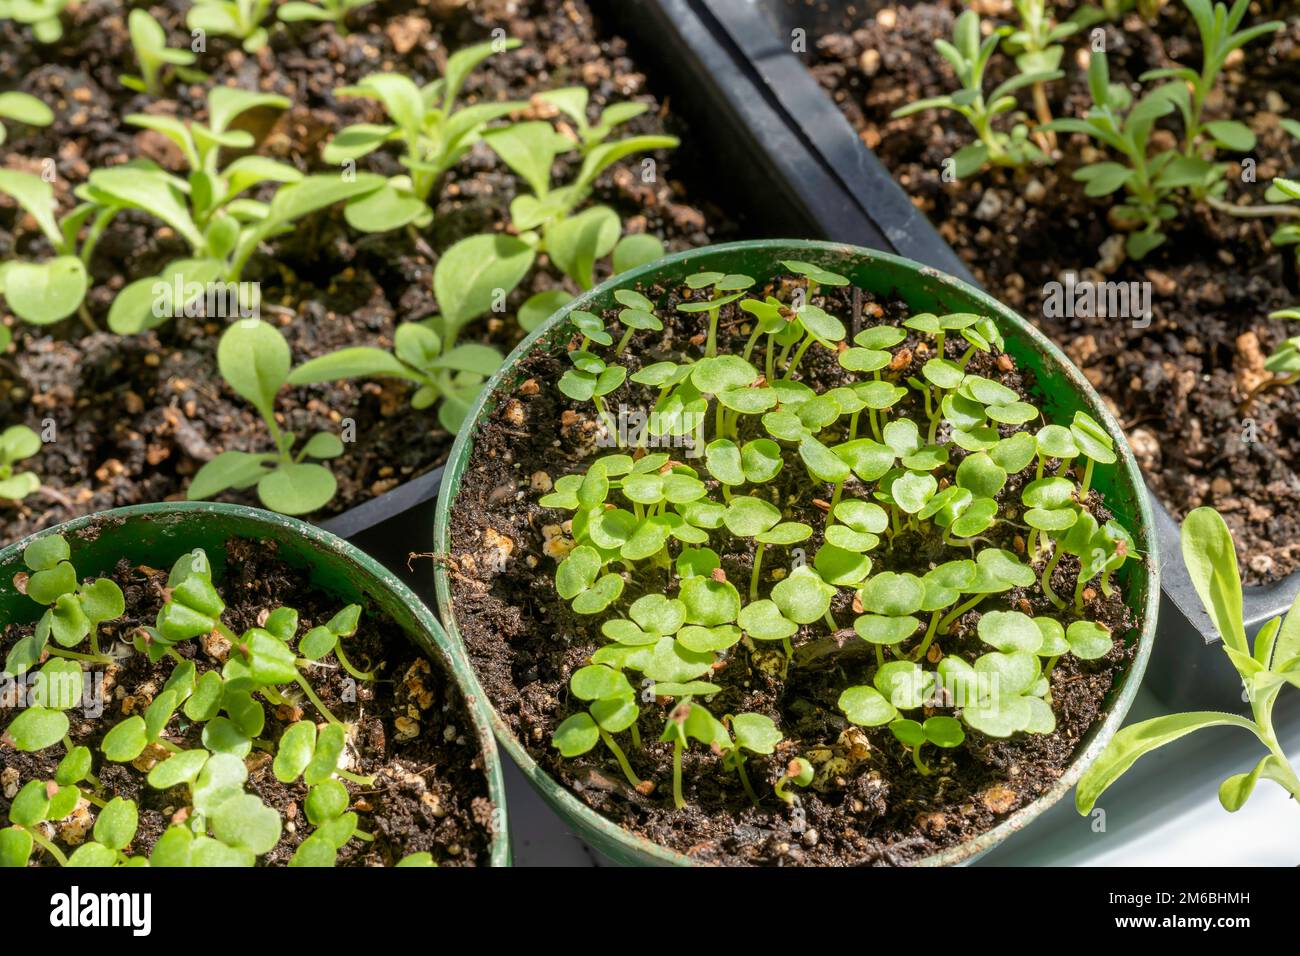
1061 390
158 534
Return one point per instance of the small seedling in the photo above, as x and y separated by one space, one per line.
222 226
76 608
433 130
254 360
799 773
939 730
157 60
17 442
240 19
41 15
969 57
327 11
1267 667
1152 183
46 292
1036 46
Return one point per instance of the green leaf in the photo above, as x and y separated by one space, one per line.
126 740
763 621
473 272
866 706
183 767
636 250
1236 790
117 822
36 728
709 602
92 855
295 489
576 735
1211 563
757 733
325 760
15 847
254 360
45 292
1010 631
1139 739
821 462
1088 640
577 242
222 736
749 516
245 821
803 596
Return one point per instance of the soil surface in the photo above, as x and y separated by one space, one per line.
1177 384
868 805
132 419
412 731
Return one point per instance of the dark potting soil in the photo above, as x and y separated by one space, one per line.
869 804
134 418
412 730
1177 385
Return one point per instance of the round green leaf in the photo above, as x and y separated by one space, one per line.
866 706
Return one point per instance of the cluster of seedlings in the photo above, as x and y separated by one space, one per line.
1152 184
884 463
220 713
226 210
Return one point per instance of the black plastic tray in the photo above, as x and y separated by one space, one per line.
737 70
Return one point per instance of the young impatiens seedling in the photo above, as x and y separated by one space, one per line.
433 130
254 360
939 730
943 452
23 108
222 226
798 773
51 290
1265 668
157 60
76 608
241 19
41 15
17 442
327 11
969 56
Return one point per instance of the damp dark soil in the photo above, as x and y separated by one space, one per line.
1177 385
868 804
130 420
412 731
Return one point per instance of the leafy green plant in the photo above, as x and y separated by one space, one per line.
209 209
476 275
969 56
327 11
23 108
76 609
240 19
155 57
41 15
1036 46
1152 182
254 360
17 442
1265 668
889 465
221 823
49 291
435 132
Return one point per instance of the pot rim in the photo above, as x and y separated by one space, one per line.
456 665
1100 734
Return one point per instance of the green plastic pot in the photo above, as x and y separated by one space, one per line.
158 534
1061 391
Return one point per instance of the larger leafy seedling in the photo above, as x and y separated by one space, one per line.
254 360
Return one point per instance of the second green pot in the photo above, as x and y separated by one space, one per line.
158 534
1060 391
